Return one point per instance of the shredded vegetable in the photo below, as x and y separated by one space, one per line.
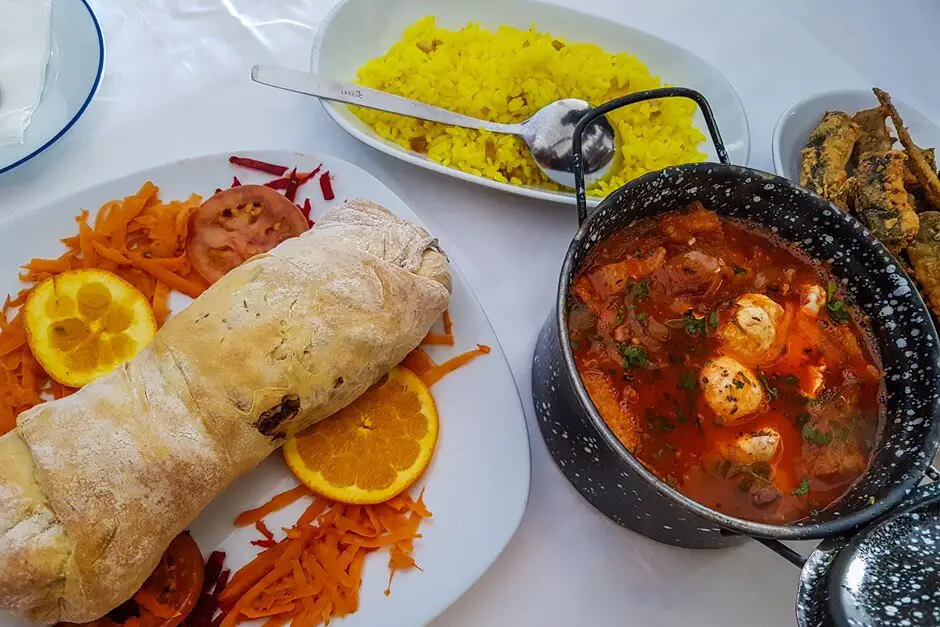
139 238
314 573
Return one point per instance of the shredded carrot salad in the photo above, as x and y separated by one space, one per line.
313 574
139 238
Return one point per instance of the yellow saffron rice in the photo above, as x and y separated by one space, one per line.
508 75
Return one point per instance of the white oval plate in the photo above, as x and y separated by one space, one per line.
356 31
72 77
478 481
797 122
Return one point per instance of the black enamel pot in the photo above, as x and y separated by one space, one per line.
604 471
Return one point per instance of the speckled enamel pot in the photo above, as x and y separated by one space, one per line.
605 472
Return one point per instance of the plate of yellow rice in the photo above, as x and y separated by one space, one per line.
503 61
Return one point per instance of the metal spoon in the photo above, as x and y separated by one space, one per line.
548 133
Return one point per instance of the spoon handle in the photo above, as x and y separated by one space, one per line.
329 89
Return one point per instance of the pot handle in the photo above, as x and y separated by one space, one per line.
640 96
798 560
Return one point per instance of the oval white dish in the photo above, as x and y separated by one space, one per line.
356 31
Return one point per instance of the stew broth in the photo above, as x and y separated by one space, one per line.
727 363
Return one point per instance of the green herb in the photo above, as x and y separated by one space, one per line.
738 383
681 414
642 316
836 308
771 391
713 319
738 269
802 489
634 355
660 423
620 317
814 435
687 380
791 379
693 326
575 345
641 291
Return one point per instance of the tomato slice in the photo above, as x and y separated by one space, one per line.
175 584
237 224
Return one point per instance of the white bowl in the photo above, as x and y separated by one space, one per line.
356 31
797 122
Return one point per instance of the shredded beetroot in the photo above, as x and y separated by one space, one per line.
213 569
221 583
280 183
306 209
290 192
208 603
326 186
254 164
235 181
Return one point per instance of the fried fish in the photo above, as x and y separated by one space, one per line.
874 137
924 253
826 155
919 163
881 201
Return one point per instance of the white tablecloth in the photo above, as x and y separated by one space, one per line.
176 85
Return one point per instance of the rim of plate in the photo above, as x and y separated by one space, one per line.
569 198
81 109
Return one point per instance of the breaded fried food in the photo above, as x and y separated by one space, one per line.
924 253
919 164
874 137
881 202
826 155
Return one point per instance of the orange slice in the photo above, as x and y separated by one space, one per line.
83 324
372 450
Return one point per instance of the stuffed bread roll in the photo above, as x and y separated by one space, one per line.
93 487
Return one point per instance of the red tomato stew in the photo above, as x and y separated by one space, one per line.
728 363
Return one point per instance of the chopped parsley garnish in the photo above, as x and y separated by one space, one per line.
771 391
634 355
738 269
802 489
642 316
693 325
620 317
713 319
814 435
738 383
791 379
660 423
641 291
687 380
836 308
681 414
575 345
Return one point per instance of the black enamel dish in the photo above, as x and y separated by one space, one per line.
604 471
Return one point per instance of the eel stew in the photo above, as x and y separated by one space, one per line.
728 363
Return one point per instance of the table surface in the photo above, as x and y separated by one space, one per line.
176 85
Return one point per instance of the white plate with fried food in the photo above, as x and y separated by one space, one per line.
797 122
873 156
476 485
